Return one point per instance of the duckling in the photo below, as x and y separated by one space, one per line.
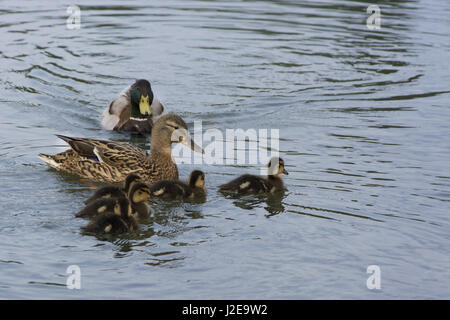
133 110
111 223
114 191
99 206
248 183
138 196
196 183
175 189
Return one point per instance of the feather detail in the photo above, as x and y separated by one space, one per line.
108 120
97 153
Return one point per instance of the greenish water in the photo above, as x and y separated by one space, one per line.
364 131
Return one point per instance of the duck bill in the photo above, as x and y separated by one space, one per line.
285 171
191 144
144 106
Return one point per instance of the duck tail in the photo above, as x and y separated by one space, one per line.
80 145
65 138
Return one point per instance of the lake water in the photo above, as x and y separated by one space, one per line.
363 117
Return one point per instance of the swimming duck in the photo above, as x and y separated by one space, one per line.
175 189
133 110
114 191
138 196
110 161
111 223
248 183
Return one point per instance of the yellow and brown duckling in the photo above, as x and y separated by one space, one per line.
175 189
110 161
133 110
248 183
114 191
138 196
112 223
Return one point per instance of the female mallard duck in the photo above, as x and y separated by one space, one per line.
175 189
108 161
248 183
112 223
138 197
114 191
133 110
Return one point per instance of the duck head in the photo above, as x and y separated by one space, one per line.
197 179
276 166
171 128
141 95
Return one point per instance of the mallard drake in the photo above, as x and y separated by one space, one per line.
248 183
133 110
108 161
112 223
138 196
114 191
175 189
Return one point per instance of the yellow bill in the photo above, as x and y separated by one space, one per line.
144 105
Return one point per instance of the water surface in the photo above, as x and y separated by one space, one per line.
364 131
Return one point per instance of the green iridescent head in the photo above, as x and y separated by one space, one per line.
141 95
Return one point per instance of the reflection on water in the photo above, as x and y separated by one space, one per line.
362 117
272 203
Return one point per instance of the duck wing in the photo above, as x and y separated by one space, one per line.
246 183
105 193
106 223
97 207
99 160
111 152
169 189
118 111
122 156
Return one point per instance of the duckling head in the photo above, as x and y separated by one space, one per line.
140 192
171 128
130 181
141 96
197 179
276 166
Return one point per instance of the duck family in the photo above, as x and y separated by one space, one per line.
143 176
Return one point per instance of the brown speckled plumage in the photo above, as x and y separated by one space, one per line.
109 161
